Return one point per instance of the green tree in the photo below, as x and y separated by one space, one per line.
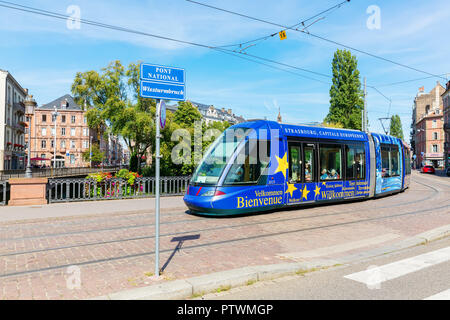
97 154
395 128
346 96
109 108
186 115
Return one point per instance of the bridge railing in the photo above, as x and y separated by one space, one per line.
57 172
66 190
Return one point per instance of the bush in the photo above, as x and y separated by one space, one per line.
105 189
100 176
127 175
148 172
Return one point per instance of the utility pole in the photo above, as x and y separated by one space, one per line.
55 114
157 122
90 152
364 114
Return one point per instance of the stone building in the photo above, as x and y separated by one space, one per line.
446 104
72 134
211 113
427 127
12 126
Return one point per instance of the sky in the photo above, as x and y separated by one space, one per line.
44 54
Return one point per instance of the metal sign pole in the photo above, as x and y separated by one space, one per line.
157 123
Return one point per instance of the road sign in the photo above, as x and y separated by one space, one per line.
162 82
166 91
282 34
158 73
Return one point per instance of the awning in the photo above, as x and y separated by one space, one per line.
39 159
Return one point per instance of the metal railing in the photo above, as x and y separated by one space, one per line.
58 172
66 190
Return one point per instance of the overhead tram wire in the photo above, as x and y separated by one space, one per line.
337 6
406 81
318 37
241 55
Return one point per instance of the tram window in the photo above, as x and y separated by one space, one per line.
407 162
385 167
250 163
295 164
390 161
395 161
330 162
355 156
308 151
218 155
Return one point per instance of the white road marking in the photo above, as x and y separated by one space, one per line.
378 274
444 295
320 252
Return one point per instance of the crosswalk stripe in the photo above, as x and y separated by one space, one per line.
444 295
378 274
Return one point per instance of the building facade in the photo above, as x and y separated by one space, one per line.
72 134
446 104
428 128
12 126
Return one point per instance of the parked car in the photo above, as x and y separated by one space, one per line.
427 169
448 172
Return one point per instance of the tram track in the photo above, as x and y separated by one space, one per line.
196 220
201 245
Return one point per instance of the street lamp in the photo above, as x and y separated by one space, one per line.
55 115
30 104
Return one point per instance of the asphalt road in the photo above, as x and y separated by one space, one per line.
416 273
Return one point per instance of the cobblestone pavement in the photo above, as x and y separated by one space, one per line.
87 256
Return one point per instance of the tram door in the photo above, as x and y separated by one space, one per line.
302 171
294 182
309 191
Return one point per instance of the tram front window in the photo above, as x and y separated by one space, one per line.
216 158
250 163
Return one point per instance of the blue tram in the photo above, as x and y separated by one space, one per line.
263 165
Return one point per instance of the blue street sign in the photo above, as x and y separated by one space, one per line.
151 72
162 82
158 90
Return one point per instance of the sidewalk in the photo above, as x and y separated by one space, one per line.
195 287
87 208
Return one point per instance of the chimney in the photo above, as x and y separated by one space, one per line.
223 110
230 112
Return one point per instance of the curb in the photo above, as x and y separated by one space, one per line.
224 280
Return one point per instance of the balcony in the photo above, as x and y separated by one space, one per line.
19 106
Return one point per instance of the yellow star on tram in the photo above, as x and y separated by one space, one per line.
317 191
305 193
282 165
291 188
